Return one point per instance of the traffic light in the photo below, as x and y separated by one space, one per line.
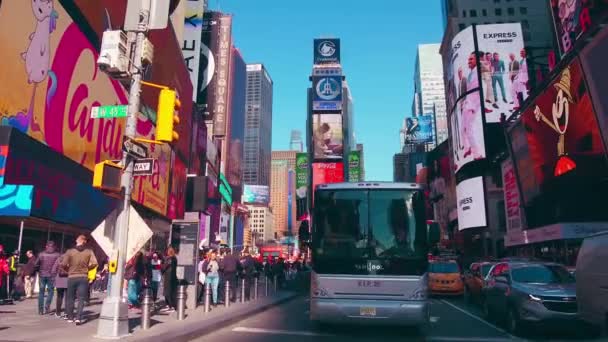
166 116
106 176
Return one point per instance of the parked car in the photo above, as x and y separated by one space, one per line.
445 278
474 281
530 292
592 281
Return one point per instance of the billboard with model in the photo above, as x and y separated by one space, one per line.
327 136
461 66
467 129
419 129
503 66
471 205
258 194
327 93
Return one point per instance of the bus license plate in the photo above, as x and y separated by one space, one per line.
367 311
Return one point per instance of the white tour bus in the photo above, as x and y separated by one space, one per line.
369 254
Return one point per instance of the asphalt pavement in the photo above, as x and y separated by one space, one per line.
451 320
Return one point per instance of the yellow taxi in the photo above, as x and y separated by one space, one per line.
445 278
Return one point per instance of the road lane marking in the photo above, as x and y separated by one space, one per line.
434 319
472 339
278 332
479 319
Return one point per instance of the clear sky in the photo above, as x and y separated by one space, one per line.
378 51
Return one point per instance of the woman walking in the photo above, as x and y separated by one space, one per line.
61 285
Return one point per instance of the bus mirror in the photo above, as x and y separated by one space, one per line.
433 233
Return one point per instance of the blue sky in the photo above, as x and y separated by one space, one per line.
378 43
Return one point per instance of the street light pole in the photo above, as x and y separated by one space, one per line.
114 316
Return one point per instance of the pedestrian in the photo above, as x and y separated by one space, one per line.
202 276
3 276
213 276
79 261
169 270
156 264
134 274
46 281
61 285
230 266
13 261
29 274
248 266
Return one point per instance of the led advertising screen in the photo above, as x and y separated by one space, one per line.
574 18
504 70
471 203
521 154
462 66
327 93
326 51
354 166
301 175
256 194
511 193
327 136
419 129
467 131
326 173
562 132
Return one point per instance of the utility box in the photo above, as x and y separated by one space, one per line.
114 54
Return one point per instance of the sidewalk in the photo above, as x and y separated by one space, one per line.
20 322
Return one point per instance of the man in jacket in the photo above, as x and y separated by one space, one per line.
248 265
3 276
78 261
44 265
230 265
29 274
13 261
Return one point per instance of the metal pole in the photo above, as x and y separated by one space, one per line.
227 294
181 302
113 319
207 297
266 286
255 288
145 310
243 290
275 283
20 239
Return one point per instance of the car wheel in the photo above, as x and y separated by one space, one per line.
513 322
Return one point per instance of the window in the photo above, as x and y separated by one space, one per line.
461 26
511 11
484 12
473 13
498 11
464 13
523 10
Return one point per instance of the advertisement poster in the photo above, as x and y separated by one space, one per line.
573 18
512 202
49 96
326 51
467 131
521 154
471 203
354 166
256 194
327 136
562 132
327 93
326 173
504 69
178 189
191 47
301 175
462 76
419 129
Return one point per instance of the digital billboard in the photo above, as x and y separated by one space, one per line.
327 93
326 51
512 199
419 129
470 196
234 156
467 131
327 136
354 166
326 173
504 69
462 69
574 18
256 194
301 175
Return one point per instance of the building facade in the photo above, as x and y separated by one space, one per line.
282 191
261 222
361 162
258 126
429 96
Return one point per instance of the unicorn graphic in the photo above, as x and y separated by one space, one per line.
37 62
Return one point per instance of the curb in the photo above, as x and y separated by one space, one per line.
200 328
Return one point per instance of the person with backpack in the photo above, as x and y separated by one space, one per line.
78 261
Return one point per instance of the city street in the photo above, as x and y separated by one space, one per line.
451 320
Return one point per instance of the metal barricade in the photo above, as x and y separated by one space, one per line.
255 288
266 286
227 294
181 302
243 290
275 283
146 310
207 297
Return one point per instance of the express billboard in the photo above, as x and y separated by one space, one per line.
256 194
214 69
470 196
462 68
504 69
573 19
327 93
328 137
326 51
467 130
419 129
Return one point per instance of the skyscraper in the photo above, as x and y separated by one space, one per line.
429 96
282 191
258 126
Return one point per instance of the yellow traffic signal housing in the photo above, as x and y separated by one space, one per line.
166 116
106 176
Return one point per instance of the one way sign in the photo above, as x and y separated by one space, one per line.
143 167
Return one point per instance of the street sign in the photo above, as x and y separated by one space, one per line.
109 112
143 167
139 233
134 148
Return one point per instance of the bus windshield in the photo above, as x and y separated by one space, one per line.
363 231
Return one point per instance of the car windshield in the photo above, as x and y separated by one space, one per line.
485 269
444 267
542 274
